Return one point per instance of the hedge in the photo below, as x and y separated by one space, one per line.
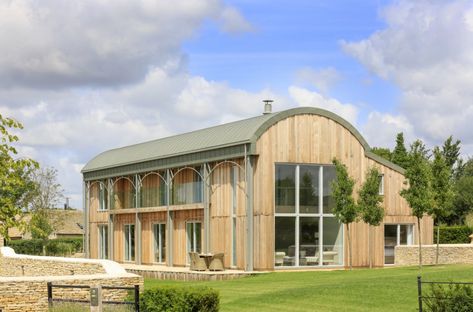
449 298
453 234
53 247
179 299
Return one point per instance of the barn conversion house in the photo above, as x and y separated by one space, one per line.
257 190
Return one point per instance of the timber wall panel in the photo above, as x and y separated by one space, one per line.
147 236
119 235
96 218
317 140
179 233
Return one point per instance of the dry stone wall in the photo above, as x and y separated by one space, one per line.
23 279
448 254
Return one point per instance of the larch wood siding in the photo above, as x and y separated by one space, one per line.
317 140
96 218
147 236
179 233
221 214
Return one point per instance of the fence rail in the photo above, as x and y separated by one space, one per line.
422 297
135 289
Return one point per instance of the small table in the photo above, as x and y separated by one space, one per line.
207 257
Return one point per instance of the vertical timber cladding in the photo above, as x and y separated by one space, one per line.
179 247
96 218
119 235
221 214
317 139
147 236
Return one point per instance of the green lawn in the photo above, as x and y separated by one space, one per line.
389 289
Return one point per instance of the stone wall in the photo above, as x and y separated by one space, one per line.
23 279
29 294
448 254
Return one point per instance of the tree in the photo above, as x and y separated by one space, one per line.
451 153
48 195
418 193
399 155
345 209
382 152
16 186
442 191
369 204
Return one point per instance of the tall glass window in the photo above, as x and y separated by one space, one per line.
234 181
395 235
159 231
153 190
103 241
194 237
306 231
129 242
187 188
103 195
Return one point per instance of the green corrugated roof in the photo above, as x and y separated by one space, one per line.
204 145
230 134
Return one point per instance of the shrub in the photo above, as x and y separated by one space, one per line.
54 247
454 234
180 299
449 298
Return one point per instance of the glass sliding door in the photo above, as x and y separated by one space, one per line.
395 235
285 244
129 242
194 237
103 241
306 232
159 231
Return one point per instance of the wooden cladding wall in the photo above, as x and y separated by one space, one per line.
119 235
179 233
317 140
147 236
227 207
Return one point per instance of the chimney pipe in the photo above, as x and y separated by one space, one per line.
268 109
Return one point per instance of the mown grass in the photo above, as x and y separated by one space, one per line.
388 289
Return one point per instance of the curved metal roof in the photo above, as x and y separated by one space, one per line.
206 142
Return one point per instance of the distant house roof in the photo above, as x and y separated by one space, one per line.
223 141
68 225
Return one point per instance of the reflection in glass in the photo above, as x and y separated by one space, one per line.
309 241
309 189
390 241
329 175
405 234
332 242
285 240
285 189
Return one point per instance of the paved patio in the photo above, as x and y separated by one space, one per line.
184 274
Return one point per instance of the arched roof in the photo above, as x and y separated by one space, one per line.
218 142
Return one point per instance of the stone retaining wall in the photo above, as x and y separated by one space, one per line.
23 279
448 254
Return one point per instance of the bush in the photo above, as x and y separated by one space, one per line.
54 247
180 299
449 298
453 234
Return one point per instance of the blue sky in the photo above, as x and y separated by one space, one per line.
287 36
87 76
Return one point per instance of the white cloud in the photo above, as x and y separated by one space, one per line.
427 51
380 129
233 22
321 79
304 97
98 43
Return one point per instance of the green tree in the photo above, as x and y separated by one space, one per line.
418 193
48 195
369 204
345 209
382 152
451 153
16 186
399 155
442 190
40 226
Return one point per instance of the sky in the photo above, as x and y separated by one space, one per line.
87 76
